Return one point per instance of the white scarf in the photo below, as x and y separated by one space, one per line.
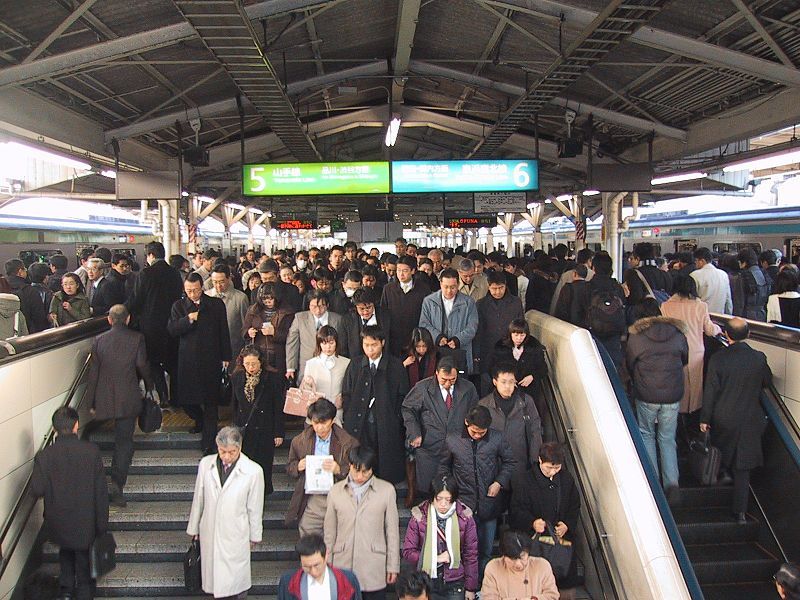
434 514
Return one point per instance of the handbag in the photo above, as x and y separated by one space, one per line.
459 355
102 557
298 399
150 417
554 550
192 574
225 388
704 460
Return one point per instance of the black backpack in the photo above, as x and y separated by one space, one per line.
606 314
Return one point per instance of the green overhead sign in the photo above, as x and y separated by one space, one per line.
308 179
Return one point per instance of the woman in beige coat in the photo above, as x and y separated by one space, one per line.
685 306
516 574
362 526
325 372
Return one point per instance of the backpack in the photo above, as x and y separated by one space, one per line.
606 314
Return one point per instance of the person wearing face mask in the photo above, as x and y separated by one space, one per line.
546 495
200 323
517 574
327 368
342 298
155 290
301 262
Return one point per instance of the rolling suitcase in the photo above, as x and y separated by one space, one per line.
704 460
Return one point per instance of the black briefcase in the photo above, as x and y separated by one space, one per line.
150 417
102 557
192 575
225 388
704 460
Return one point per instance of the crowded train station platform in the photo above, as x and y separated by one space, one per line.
447 299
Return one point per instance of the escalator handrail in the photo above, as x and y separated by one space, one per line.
5 555
681 555
773 414
19 348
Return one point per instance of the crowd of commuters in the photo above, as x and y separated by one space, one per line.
427 380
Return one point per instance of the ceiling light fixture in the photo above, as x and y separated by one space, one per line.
564 197
392 131
591 192
108 173
769 162
17 150
676 177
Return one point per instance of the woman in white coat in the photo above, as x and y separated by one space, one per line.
324 372
227 512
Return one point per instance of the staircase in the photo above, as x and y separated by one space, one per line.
151 531
731 561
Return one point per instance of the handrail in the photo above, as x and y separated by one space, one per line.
18 348
771 333
681 555
5 557
780 426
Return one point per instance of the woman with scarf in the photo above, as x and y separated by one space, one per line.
70 304
421 360
257 411
442 541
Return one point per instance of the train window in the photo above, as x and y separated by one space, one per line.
736 246
33 256
793 248
685 245
126 251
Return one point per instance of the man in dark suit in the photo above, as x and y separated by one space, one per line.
366 313
156 289
100 291
403 298
70 476
118 360
372 393
732 409
200 323
433 408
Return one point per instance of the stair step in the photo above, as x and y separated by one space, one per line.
732 563
181 487
713 525
177 461
741 591
706 496
165 440
171 546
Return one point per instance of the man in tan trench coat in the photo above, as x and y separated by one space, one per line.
362 526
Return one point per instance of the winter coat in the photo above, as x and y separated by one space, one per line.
227 519
531 362
694 314
272 347
156 289
301 340
425 415
236 304
204 344
655 356
292 586
536 581
267 419
462 323
12 321
414 544
541 288
388 387
476 465
732 404
568 305
303 445
658 280
534 496
327 382
106 294
405 310
364 537
78 304
70 476
417 371
755 293
350 338
494 317
118 360
30 303
525 439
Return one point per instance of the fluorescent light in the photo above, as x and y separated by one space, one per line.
678 177
591 192
185 194
779 160
236 206
23 151
548 201
257 211
564 197
206 199
392 131
533 204
108 173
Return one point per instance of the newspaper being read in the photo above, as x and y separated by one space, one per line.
318 480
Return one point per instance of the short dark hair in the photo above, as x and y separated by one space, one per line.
684 285
581 270
320 273
474 255
768 256
644 251
374 332
786 281
448 273
321 410
224 269
737 331
319 296
365 296
37 273
407 261
602 264
119 257
514 543
310 544
103 253
584 256
445 482
362 458
446 364
413 584
194 278
64 419
788 577
156 249
13 266
369 270
703 254
503 367
88 253
479 416
59 261
552 452
336 247
647 307
748 257
176 261
350 245
353 275
496 278
561 251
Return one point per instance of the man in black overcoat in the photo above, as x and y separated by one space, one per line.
200 322
732 409
372 393
70 476
403 297
155 290
366 313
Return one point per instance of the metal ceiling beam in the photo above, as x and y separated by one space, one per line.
219 21
56 33
407 17
672 43
133 44
762 31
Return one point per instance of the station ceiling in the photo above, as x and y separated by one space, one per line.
320 79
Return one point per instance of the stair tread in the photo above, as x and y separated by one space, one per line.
737 552
703 515
740 591
182 456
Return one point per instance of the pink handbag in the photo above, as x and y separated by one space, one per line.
298 399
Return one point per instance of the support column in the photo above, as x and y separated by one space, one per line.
143 212
612 210
192 224
169 211
489 242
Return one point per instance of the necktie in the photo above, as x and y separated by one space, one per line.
363 322
221 296
319 324
372 368
406 287
448 400
226 468
91 292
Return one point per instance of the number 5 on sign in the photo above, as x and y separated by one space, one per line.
521 176
257 182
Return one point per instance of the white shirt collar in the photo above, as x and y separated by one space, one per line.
317 590
323 320
375 362
444 392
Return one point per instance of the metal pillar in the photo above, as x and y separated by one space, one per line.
169 230
612 211
489 242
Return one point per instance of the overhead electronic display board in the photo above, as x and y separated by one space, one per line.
469 221
296 224
309 179
413 176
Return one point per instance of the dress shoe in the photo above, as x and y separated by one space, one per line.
724 478
116 497
740 518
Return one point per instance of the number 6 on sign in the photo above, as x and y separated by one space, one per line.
521 176
254 176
